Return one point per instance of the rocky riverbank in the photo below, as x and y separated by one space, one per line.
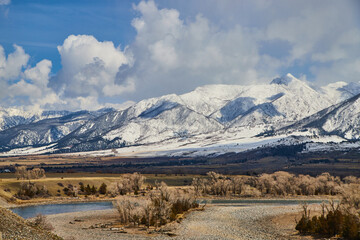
14 227
235 222
215 222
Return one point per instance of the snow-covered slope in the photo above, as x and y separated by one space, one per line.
149 121
342 119
10 117
208 111
340 91
45 131
284 99
212 114
281 102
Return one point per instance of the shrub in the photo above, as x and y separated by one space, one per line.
158 208
71 190
40 221
336 219
30 190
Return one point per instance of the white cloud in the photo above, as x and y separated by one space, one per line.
172 55
321 32
23 85
89 72
33 85
11 66
5 2
40 73
89 103
89 68
346 70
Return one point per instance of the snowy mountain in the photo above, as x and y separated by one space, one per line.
210 116
45 131
206 111
342 119
149 121
11 117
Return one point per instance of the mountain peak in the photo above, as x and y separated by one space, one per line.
284 80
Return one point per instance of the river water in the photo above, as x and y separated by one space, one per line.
32 211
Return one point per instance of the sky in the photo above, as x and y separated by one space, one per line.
89 54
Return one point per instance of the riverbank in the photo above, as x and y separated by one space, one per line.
252 221
14 227
203 200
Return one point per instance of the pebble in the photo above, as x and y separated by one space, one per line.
215 222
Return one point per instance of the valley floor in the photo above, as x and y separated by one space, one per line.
215 222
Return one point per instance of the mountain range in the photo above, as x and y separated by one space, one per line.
211 119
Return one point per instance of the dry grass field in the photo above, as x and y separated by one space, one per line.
55 183
252 162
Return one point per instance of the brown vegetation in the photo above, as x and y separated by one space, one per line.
276 184
30 190
41 222
128 183
22 173
341 218
160 206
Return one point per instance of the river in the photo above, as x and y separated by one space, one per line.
32 211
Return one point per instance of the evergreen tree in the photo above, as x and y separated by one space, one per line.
102 188
93 190
88 190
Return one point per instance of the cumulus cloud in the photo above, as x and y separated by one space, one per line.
11 66
173 55
89 72
32 88
89 68
23 85
40 73
233 42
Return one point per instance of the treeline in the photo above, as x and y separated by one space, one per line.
277 184
74 191
160 206
129 183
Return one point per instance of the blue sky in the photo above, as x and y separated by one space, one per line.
89 54
40 26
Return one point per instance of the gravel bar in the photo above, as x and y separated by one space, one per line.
215 222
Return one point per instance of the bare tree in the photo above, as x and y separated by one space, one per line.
128 183
22 173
